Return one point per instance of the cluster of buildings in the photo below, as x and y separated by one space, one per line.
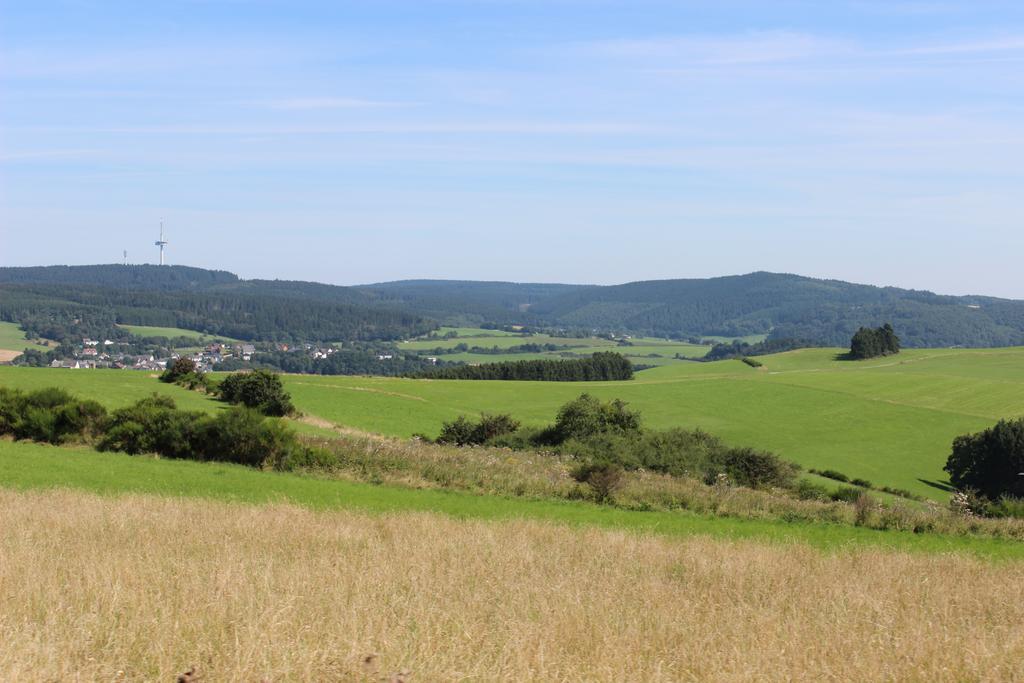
103 354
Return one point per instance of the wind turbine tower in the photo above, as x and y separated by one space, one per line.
161 243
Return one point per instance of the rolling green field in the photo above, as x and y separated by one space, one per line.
171 332
13 339
38 466
890 421
644 351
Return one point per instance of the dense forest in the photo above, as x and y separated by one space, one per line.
783 307
605 366
64 312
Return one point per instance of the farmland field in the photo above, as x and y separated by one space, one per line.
890 421
171 332
13 342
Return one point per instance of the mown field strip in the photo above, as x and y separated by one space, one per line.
32 466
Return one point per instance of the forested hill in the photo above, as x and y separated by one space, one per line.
60 302
825 312
462 301
789 306
167 278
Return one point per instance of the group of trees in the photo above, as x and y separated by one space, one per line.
604 366
347 361
874 342
155 425
608 437
741 349
260 390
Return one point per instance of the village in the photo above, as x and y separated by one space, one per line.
92 354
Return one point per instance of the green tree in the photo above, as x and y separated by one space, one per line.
990 462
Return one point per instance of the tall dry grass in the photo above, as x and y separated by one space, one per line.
143 588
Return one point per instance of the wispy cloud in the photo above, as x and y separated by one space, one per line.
497 127
316 103
758 47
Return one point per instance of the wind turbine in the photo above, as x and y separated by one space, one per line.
161 242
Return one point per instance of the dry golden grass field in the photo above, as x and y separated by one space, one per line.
144 588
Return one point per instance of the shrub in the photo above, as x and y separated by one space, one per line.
862 482
244 436
603 478
260 389
154 425
990 462
806 490
862 509
49 415
758 469
832 474
847 494
463 432
587 416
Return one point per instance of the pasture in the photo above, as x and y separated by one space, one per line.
13 342
890 421
172 332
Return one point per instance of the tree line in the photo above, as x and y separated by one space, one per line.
603 366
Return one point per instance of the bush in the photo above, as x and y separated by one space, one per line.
463 432
831 474
260 390
847 494
49 415
587 416
862 482
806 490
244 436
758 469
604 479
990 462
154 425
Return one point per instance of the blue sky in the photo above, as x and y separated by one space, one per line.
557 140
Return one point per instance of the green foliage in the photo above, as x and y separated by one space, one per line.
600 367
155 425
260 390
463 432
757 469
872 343
183 372
990 462
50 415
603 478
588 416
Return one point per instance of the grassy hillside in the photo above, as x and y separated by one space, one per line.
890 421
13 341
172 332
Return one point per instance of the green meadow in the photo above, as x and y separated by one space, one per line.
13 339
171 332
890 421
37 466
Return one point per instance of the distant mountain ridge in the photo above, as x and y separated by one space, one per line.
824 312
